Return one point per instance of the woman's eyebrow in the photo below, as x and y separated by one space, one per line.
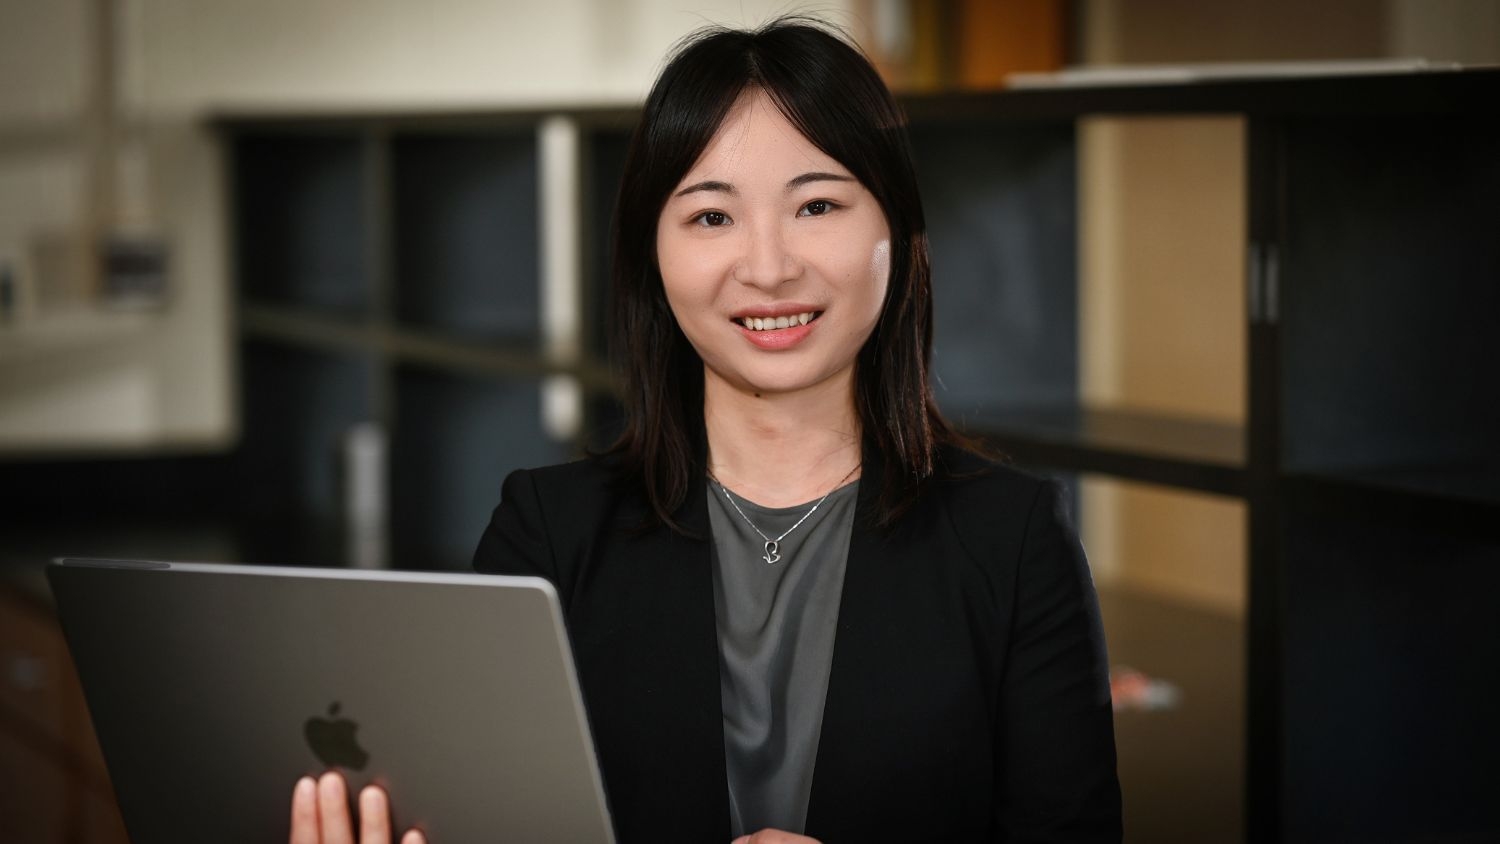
715 187
797 182
807 178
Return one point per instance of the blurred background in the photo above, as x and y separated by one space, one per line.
300 282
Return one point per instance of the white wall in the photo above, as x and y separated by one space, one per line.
338 53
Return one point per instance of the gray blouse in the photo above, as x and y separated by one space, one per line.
776 629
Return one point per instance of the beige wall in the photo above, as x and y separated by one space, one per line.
342 53
1163 330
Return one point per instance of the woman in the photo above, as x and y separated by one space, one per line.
797 603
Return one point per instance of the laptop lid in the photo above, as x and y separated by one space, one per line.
214 687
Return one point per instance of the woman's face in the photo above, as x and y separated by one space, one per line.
774 257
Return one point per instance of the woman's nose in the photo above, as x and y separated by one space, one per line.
767 261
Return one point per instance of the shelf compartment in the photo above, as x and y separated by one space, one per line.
309 331
455 439
604 167
1170 567
298 405
301 230
1391 651
1001 207
1389 301
1196 454
1181 769
464 212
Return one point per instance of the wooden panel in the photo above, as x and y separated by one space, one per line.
995 39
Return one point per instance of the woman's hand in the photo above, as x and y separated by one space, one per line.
320 814
769 836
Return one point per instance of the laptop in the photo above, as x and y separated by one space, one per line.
213 688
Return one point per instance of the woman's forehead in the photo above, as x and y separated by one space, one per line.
756 140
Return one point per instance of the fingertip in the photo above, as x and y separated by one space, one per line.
305 788
372 799
413 836
331 785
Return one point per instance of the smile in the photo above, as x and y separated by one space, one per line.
774 323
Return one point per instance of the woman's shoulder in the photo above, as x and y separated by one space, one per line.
591 468
969 474
578 482
994 505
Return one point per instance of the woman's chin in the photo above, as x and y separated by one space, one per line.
783 383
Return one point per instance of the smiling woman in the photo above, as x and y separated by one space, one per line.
798 605
791 129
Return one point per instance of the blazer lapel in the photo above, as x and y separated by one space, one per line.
856 670
656 670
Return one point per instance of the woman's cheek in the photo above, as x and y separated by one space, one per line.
880 266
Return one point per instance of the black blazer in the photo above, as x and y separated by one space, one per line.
968 698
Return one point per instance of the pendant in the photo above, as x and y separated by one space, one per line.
772 553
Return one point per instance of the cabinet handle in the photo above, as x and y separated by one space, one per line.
1263 283
1252 282
1271 284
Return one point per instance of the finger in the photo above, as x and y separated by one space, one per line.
374 816
305 812
333 810
414 836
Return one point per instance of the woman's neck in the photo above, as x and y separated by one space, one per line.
782 449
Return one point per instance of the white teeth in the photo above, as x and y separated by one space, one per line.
772 323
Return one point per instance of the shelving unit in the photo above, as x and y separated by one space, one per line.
394 269
445 274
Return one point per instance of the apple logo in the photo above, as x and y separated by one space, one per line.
332 740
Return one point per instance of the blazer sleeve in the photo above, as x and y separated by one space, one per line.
515 542
1055 748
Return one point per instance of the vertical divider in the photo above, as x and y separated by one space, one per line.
367 449
1265 661
381 261
561 273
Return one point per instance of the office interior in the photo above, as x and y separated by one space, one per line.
299 283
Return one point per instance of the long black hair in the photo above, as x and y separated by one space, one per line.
828 90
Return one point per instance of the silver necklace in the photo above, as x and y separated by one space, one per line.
773 546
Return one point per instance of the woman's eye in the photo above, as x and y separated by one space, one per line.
712 219
816 208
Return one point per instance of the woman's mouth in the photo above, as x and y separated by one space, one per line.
778 322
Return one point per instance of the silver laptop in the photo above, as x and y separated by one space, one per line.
213 688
